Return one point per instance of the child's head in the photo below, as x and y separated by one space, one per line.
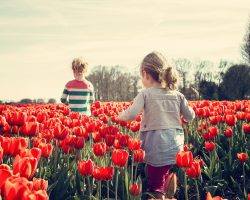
79 66
156 66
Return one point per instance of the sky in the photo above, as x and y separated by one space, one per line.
40 38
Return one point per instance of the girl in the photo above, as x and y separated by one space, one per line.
161 129
79 90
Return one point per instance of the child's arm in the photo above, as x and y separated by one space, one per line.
92 94
186 110
64 96
134 110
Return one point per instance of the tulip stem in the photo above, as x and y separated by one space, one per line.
136 167
132 169
197 190
100 189
244 181
89 187
108 190
185 185
116 184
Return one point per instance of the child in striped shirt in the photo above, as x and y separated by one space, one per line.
79 92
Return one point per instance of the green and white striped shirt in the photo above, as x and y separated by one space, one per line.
80 95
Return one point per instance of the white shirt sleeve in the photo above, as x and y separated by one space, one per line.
187 112
134 110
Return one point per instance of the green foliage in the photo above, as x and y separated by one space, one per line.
236 81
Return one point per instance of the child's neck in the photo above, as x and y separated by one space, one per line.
155 85
79 78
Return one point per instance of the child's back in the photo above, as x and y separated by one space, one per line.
80 92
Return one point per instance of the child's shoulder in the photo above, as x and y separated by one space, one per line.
76 84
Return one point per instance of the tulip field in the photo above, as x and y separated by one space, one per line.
46 152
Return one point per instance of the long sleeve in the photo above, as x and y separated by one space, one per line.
187 112
64 95
134 110
92 94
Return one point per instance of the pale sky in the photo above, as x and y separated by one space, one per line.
39 38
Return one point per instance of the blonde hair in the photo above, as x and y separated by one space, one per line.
79 65
156 65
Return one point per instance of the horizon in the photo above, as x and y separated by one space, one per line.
40 39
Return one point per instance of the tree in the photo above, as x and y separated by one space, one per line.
113 83
208 90
245 49
235 84
52 100
26 101
184 67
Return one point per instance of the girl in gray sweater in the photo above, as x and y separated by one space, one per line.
161 129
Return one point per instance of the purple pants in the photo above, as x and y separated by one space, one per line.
157 177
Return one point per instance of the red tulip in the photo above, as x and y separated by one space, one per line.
80 131
15 187
134 126
14 129
60 131
42 116
39 184
246 128
46 149
30 128
139 156
194 171
170 185
214 120
231 120
209 146
2 121
208 136
184 159
134 190
213 130
209 197
17 118
5 173
185 148
35 194
96 137
25 166
13 146
247 117
6 128
103 173
99 149
109 139
123 140
228 132
240 115
36 141
66 148
134 144
103 118
1 153
78 142
34 152
86 167
242 157
120 157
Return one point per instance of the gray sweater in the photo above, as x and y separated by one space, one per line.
161 109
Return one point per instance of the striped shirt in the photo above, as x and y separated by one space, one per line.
80 95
